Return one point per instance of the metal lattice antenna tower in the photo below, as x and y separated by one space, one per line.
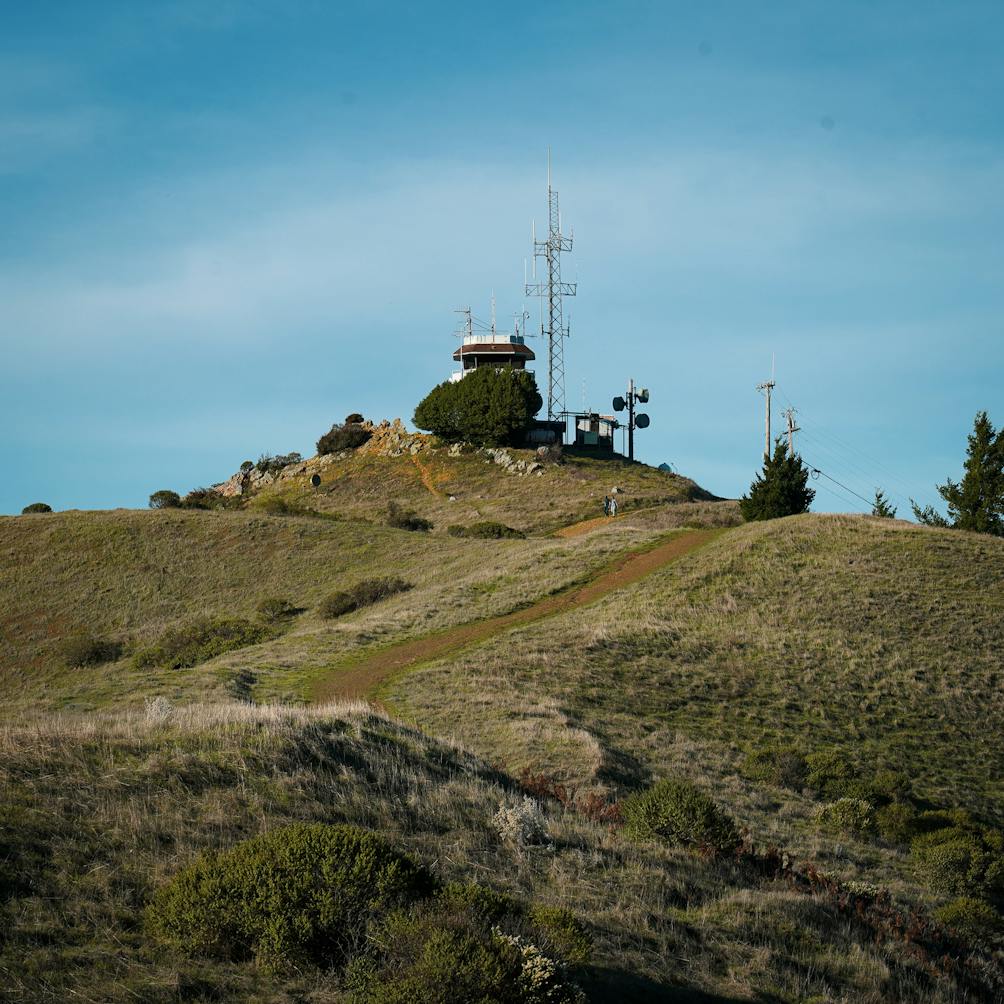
553 290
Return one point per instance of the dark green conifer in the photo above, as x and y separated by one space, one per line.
881 506
977 502
780 489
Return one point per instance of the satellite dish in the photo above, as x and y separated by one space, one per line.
538 403
641 421
618 404
642 395
315 479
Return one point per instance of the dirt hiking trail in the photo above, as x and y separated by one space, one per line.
357 678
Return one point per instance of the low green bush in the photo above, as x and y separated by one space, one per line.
36 507
853 816
405 519
783 766
201 639
961 860
267 464
680 813
972 918
487 530
273 609
87 650
362 594
438 954
302 895
349 436
833 775
204 498
560 933
897 822
165 499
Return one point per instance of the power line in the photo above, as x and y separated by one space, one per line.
816 472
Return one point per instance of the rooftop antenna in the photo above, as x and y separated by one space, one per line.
493 311
767 386
553 290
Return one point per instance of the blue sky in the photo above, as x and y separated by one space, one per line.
226 225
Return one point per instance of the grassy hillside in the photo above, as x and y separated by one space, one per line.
870 634
872 643
152 791
130 575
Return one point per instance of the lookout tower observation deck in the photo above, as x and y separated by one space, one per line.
483 348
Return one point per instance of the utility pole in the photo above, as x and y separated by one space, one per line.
630 406
553 290
789 414
767 386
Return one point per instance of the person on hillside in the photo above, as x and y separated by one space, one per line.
613 506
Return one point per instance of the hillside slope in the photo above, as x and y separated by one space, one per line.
871 634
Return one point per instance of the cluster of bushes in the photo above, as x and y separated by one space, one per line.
197 498
406 519
348 436
275 609
489 407
340 898
87 650
36 507
486 530
267 464
680 813
362 594
951 852
201 639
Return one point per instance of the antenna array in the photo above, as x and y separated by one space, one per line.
553 290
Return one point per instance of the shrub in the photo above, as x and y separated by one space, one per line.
680 813
199 640
354 418
829 772
405 519
203 498
247 466
489 407
165 499
86 650
267 464
779 765
36 507
302 895
439 954
487 530
362 594
273 609
560 931
521 824
972 918
961 861
848 815
342 437
897 822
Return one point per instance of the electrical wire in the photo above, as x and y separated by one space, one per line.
817 473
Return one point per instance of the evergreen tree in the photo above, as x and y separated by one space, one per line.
977 502
780 489
881 506
488 407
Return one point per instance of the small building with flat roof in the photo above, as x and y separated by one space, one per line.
483 348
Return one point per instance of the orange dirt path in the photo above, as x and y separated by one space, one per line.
423 473
356 679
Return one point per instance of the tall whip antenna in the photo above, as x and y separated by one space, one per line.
553 290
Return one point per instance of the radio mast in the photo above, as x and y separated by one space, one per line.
553 290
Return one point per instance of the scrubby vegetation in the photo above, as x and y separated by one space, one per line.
199 640
406 519
362 594
485 530
267 464
489 407
88 650
35 507
165 499
273 609
349 436
680 813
